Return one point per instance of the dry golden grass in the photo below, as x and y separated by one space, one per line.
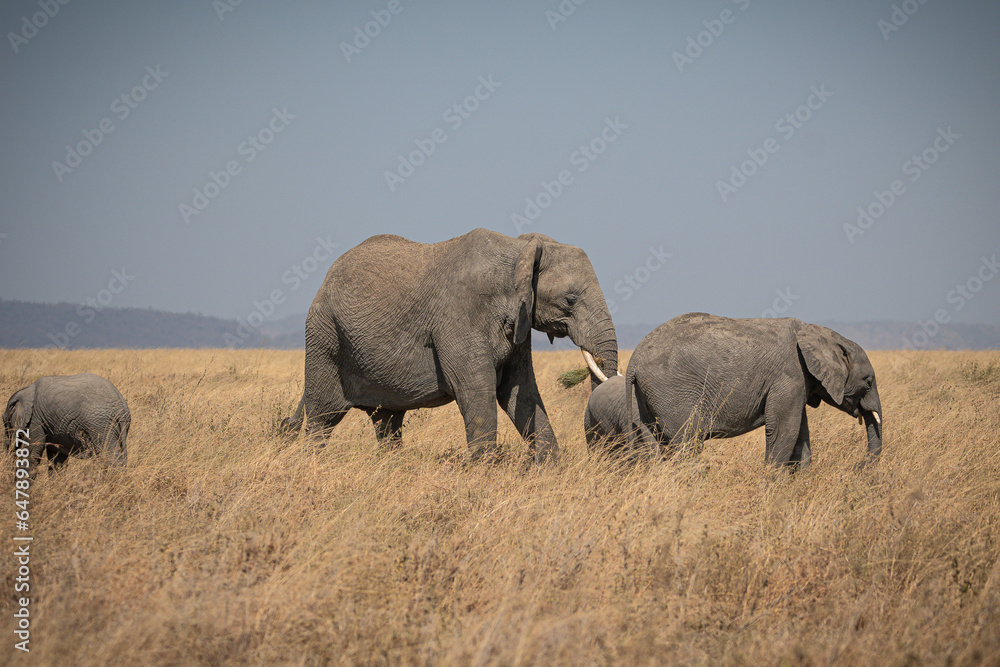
222 543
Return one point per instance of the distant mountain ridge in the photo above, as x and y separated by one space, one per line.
71 326
34 325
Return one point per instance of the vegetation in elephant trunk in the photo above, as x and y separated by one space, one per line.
605 354
602 361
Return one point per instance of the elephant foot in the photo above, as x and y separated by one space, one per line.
291 427
547 455
488 454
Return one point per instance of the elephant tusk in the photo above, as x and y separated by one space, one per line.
878 420
592 365
620 374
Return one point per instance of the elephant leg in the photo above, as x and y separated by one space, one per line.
646 437
652 440
116 451
57 456
479 410
476 395
36 448
323 403
802 454
35 454
517 393
388 427
782 427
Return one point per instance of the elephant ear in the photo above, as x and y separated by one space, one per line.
525 270
827 359
17 415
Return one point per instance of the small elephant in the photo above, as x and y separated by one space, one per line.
69 414
399 325
717 377
607 418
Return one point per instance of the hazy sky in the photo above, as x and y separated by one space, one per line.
115 114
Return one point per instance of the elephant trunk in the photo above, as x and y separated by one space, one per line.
606 352
592 365
603 344
600 350
871 414
593 331
873 425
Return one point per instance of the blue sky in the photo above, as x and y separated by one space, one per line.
708 156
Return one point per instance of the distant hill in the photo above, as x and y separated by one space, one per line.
73 327
30 325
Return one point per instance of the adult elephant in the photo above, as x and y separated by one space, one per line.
717 377
399 325
69 414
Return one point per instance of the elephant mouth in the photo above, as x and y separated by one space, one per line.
556 331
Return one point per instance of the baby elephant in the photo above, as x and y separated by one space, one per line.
607 418
716 377
67 414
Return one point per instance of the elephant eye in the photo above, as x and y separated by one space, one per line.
571 299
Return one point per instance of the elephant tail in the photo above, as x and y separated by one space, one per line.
632 412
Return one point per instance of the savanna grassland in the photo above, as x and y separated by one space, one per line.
223 543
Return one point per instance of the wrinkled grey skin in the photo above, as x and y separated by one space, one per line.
399 325
717 377
69 414
607 418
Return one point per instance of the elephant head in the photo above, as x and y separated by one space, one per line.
560 288
844 378
17 414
